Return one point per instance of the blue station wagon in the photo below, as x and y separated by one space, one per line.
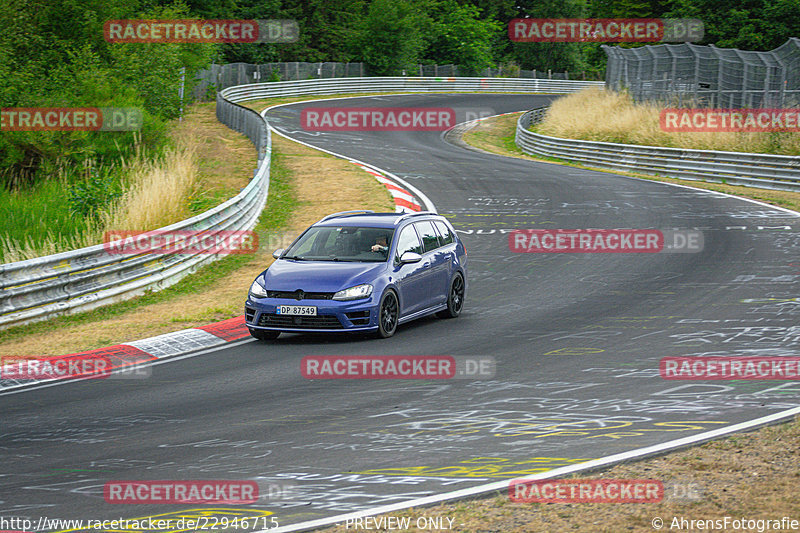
360 271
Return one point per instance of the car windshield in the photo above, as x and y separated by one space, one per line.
342 243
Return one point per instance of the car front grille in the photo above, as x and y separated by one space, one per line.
306 295
290 321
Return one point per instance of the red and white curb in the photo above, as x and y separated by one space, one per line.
407 198
130 354
404 201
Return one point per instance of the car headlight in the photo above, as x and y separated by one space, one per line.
257 290
354 293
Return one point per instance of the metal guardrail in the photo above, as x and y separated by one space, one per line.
230 74
245 121
79 280
405 85
781 172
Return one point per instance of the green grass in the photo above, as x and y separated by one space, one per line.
39 214
281 202
510 144
203 200
54 214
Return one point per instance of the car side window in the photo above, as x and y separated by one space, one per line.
444 231
408 242
430 240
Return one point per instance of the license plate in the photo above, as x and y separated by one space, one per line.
300 310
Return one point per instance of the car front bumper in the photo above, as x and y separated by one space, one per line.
332 315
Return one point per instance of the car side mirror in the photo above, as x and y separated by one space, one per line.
410 257
277 253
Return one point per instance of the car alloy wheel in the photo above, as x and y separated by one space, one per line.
388 311
455 299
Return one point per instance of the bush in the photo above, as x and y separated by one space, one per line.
89 196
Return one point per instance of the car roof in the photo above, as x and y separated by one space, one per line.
374 220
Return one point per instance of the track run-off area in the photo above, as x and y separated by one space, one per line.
577 339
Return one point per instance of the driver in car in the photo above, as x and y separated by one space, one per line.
381 245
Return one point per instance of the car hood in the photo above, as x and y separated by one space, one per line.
318 276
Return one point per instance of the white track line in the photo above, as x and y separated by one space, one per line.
615 173
502 486
27 387
609 460
427 203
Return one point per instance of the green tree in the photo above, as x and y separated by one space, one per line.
154 69
53 54
461 37
781 21
555 56
253 52
327 29
745 24
389 39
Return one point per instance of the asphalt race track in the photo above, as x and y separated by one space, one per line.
577 339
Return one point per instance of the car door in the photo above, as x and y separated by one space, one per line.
436 255
412 278
450 251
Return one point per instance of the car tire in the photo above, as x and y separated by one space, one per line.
388 313
455 298
263 334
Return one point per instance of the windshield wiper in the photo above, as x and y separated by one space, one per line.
295 257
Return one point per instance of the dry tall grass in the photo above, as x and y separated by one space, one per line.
14 250
158 192
599 115
157 196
